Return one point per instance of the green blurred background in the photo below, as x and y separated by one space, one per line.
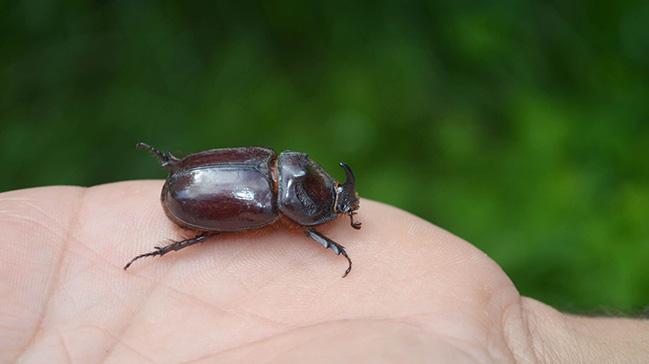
520 126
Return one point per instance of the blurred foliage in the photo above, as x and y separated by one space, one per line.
520 126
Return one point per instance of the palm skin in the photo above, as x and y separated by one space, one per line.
416 293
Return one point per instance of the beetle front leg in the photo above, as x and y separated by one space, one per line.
174 246
355 224
329 244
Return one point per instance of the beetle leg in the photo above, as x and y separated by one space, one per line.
355 224
174 246
329 244
167 160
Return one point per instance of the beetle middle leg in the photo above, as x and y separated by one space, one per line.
329 244
174 246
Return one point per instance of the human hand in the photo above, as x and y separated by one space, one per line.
416 293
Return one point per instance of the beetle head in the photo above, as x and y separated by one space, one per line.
347 201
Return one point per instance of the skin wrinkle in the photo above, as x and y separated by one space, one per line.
34 207
449 339
238 347
495 294
18 217
231 261
454 342
109 266
65 346
115 338
221 309
161 285
157 285
577 355
133 350
32 203
287 332
236 300
54 280
514 348
277 275
411 324
369 338
570 329
538 320
291 348
224 268
129 321
136 312
245 297
529 319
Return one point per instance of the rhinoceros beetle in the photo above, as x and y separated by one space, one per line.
236 189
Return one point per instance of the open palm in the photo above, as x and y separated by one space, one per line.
416 293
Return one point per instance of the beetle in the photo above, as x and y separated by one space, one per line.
237 189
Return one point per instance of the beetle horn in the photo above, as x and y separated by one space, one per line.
350 180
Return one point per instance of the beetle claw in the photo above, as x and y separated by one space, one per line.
349 268
355 224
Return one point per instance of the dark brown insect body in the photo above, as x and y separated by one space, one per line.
237 189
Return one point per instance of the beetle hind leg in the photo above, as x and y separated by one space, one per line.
167 160
330 244
174 246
